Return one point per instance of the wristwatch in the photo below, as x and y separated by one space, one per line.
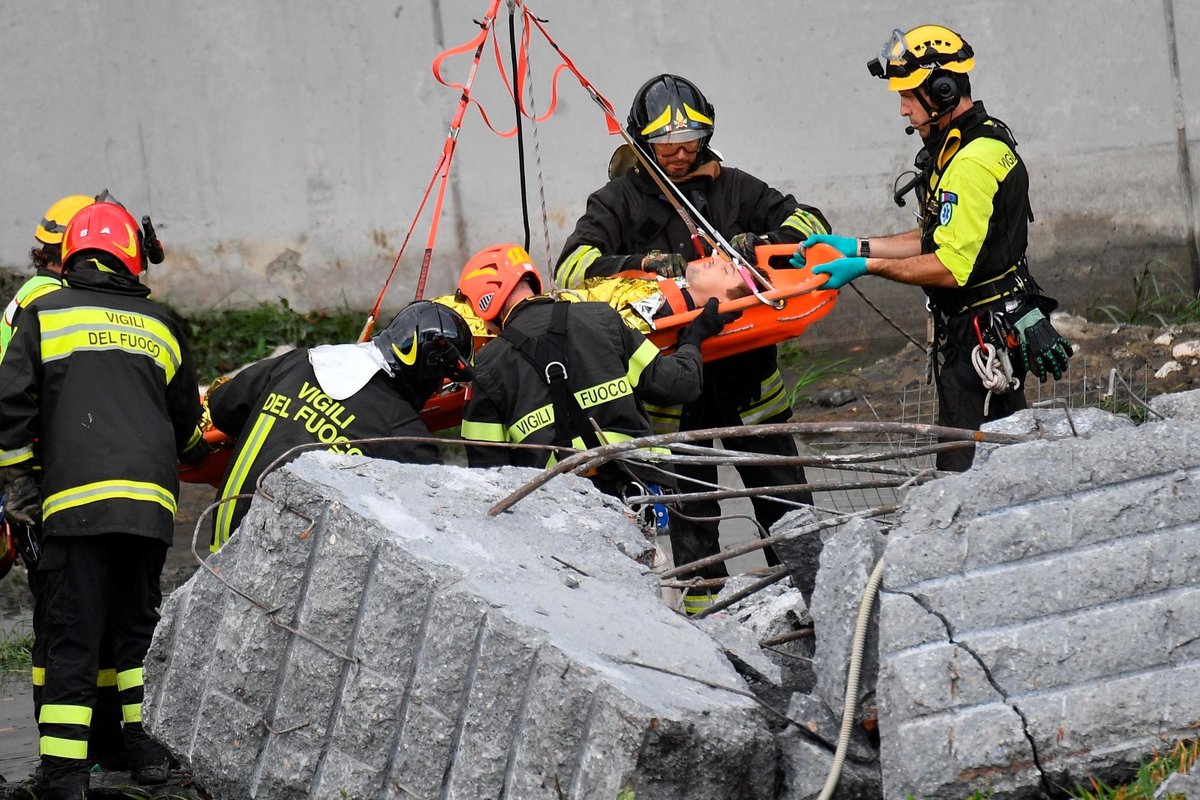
864 248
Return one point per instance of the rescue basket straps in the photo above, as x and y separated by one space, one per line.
516 89
442 168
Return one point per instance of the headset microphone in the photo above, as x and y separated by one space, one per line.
909 130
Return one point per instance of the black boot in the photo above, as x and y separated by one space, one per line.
149 761
63 779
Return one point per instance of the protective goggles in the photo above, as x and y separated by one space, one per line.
897 59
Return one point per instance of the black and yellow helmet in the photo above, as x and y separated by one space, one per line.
426 342
669 108
54 222
909 59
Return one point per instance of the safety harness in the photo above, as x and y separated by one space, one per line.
547 354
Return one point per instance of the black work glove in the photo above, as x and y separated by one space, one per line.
1043 350
668 265
197 452
745 243
22 500
708 322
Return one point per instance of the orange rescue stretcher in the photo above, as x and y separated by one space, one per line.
795 302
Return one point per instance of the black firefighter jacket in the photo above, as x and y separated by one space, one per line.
274 405
97 387
628 217
612 369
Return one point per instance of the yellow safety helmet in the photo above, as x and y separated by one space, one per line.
908 59
54 223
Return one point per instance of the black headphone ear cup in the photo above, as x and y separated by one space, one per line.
944 92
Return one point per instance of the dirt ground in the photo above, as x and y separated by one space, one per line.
872 387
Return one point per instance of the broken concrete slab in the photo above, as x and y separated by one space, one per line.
1180 405
848 556
1052 423
740 644
1039 615
388 639
802 553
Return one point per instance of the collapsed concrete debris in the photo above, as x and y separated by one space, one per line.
1040 615
372 632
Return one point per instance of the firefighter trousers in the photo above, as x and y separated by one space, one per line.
105 745
89 589
702 537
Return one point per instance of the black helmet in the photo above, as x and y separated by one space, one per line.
669 108
427 342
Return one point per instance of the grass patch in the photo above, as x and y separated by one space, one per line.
1180 758
806 369
224 340
1158 298
16 649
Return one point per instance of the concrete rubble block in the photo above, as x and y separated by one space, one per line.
1183 406
771 611
848 556
741 644
1052 423
1179 785
806 765
801 554
1038 615
423 648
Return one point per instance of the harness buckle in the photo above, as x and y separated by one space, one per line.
558 364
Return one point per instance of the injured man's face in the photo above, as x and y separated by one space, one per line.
714 277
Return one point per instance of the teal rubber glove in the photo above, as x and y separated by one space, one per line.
846 245
841 271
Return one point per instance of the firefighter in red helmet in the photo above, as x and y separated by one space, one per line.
101 378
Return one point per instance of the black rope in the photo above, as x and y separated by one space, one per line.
517 90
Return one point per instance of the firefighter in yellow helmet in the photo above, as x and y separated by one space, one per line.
990 318
46 259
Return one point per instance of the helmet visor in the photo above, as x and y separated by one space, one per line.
896 60
673 137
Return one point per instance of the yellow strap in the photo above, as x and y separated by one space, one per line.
641 358
39 676
129 679
53 714
63 748
131 712
483 431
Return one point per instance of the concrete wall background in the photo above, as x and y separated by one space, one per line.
283 147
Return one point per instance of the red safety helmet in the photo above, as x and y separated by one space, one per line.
491 275
109 228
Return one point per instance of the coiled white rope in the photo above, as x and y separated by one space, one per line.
994 371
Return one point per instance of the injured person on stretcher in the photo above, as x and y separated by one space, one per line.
642 298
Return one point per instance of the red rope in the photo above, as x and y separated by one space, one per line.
516 91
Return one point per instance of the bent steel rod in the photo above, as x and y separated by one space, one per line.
751 546
601 455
